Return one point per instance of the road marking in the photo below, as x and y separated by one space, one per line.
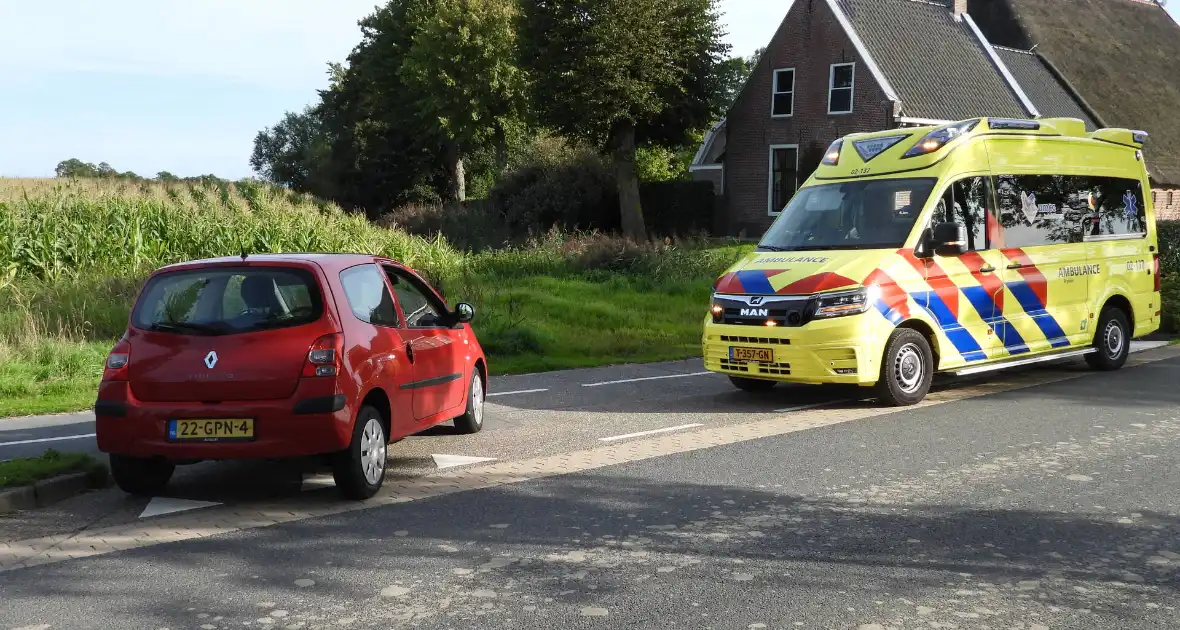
652 432
52 439
165 505
522 391
1143 346
646 378
812 406
451 461
317 482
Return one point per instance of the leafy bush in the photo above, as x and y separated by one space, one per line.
1168 233
578 194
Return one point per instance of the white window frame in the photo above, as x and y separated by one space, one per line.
774 92
770 209
851 88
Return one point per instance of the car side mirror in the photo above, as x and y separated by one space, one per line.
464 313
949 239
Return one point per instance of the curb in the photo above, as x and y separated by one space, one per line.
43 493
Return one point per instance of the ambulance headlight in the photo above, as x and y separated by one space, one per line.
939 138
845 303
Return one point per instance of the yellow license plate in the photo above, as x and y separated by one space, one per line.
756 355
211 430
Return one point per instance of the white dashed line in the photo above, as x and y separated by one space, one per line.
646 378
522 391
812 406
52 439
652 432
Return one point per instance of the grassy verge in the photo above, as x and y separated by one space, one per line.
26 471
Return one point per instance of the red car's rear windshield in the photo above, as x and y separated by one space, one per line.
228 300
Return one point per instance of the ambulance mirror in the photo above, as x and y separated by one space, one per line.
949 238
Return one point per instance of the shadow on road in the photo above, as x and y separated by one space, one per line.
618 530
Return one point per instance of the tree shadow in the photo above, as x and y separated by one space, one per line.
562 535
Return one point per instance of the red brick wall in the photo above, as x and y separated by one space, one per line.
809 40
1167 203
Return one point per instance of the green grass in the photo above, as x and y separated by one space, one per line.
26 471
82 249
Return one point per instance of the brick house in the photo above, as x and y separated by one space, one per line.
836 67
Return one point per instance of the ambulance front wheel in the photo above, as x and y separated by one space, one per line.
1112 340
751 384
906 369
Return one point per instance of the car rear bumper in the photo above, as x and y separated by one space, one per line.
845 350
308 423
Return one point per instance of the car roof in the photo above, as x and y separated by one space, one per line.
329 261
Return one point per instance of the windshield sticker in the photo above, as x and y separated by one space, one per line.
871 148
1130 205
1028 205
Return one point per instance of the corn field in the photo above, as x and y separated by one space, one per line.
54 229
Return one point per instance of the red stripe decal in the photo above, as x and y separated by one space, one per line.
729 283
892 295
1032 275
937 279
814 284
989 281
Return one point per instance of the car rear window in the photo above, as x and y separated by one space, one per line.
228 301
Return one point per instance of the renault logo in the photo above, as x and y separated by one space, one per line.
211 359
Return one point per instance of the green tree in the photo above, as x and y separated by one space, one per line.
620 73
74 167
295 153
462 66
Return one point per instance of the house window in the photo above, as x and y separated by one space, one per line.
784 176
840 88
783 101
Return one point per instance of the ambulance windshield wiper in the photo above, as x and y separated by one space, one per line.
771 248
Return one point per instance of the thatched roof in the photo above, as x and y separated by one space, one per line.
1121 56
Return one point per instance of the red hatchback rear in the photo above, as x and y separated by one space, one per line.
285 356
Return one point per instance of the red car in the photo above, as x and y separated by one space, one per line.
289 355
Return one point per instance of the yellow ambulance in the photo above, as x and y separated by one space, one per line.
974 246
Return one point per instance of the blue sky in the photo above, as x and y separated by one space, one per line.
152 85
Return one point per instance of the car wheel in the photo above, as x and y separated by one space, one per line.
472 419
752 384
359 470
1112 339
907 369
141 476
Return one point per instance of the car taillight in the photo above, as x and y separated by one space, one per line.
118 362
1155 260
323 359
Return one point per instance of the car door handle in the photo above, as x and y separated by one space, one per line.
410 351
1016 265
987 269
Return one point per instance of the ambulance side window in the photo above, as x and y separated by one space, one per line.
966 201
1039 209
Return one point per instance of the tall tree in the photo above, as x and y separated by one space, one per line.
623 72
462 67
295 153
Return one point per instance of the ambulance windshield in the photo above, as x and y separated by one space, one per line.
863 214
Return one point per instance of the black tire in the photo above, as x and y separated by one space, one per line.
140 476
907 369
359 470
753 385
1112 339
472 419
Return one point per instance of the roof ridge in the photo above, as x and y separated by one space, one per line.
1015 50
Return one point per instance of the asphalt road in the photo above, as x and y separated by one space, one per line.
1039 508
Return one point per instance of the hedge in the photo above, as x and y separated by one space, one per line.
677 207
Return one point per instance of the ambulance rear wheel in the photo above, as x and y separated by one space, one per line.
751 384
1112 339
906 369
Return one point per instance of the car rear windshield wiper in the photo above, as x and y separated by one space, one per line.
184 327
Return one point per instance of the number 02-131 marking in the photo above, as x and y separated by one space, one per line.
1137 265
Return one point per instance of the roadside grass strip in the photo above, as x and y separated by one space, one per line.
228 519
25 471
